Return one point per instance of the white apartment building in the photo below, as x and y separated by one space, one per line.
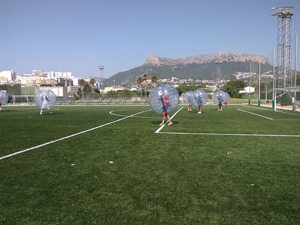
10 75
54 75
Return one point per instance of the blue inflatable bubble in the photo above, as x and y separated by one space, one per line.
163 98
45 98
198 97
3 98
220 97
185 97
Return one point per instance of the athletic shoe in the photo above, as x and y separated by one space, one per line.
40 114
50 113
161 124
198 112
170 123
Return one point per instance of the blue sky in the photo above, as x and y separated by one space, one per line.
80 35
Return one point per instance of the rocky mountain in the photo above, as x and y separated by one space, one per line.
201 59
200 66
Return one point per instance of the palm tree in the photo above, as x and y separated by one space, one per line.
145 78
92 81
87 88
81 83
154 80
140 81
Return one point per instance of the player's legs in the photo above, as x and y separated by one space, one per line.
200 108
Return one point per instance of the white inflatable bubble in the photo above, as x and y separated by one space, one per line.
198 97
220 97
3 97
45 98
185 97
164 98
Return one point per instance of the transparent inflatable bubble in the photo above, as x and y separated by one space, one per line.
185 97
43 98
220 97
3 97
164 97
198 97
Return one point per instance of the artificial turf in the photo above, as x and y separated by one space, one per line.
125 173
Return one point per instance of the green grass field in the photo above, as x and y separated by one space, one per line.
239 166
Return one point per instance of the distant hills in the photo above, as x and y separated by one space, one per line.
203 67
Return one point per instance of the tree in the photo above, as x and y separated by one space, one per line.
154 80
140 81
81 83
145 78
233 87
87 88
92 81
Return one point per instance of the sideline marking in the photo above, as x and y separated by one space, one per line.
159 129
247 135
35 111
255 114
72 135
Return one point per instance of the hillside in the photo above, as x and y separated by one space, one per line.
201 66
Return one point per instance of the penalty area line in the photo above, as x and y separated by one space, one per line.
159 129
255 114
70 136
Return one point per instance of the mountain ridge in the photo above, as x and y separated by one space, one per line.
202 67
207 58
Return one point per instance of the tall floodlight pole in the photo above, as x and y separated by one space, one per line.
259 65
284 45
295 82
266 93
249 84
101 68
219 75
274 91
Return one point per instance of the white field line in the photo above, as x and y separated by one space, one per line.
246 135
277 111
287 113
287 119
159 129
255 114
70 136
260 108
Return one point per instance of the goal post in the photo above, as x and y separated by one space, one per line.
287 98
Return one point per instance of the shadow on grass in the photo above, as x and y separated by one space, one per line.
159 122
53 114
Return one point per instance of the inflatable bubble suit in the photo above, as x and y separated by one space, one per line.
157 98
3 97
41 94
220 97
185 97
198 97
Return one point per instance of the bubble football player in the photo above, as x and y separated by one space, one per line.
220 102
165 103
190 106
199 102
0 103
225 104
45 103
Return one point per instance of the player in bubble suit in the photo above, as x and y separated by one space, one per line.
3 99
190 106
199 102
220 100
1 103
45 103
165 104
